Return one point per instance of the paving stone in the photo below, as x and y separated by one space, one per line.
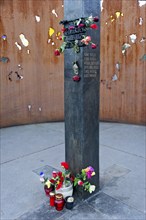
113 208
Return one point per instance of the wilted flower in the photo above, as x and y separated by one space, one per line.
96 19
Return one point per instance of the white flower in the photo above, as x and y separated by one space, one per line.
48 183
92 188
42 179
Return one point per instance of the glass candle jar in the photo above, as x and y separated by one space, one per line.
48 190
59 201
52 199
69 202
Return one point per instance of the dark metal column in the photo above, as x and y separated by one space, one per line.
82 98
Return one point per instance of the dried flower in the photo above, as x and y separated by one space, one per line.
96 19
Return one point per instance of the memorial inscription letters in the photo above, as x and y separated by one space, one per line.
91 65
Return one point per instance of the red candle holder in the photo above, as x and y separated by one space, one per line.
59 201
52 199
48 190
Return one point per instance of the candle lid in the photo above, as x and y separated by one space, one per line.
70 199
58 196
52 193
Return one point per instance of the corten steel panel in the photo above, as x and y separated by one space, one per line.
123 100
42 85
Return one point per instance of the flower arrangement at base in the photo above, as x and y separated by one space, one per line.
59 179
63 181
82 179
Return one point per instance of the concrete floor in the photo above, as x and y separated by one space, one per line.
25 149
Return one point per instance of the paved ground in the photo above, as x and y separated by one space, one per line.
27 149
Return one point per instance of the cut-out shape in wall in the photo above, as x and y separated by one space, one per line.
40 109
118 14
53 43
37 18
54 12
29 107
108 85
4 37
125 47
117 66
10 76
58 34
142 39
4 59
114 77
19 67
28 51
133 38
49 40
101 5
143 58
18 45
140 21
51 31
24 41
141 2
18 75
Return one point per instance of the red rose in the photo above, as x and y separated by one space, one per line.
71 27
65 165
94 26
60 37
93 46
81 25
63 30
59 185
57 52
80 183
59 174
76 78
96 19
52 181
54 174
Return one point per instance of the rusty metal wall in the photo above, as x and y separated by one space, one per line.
123 86
39 96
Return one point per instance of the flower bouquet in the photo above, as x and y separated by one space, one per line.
82 179
60 181
63 181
